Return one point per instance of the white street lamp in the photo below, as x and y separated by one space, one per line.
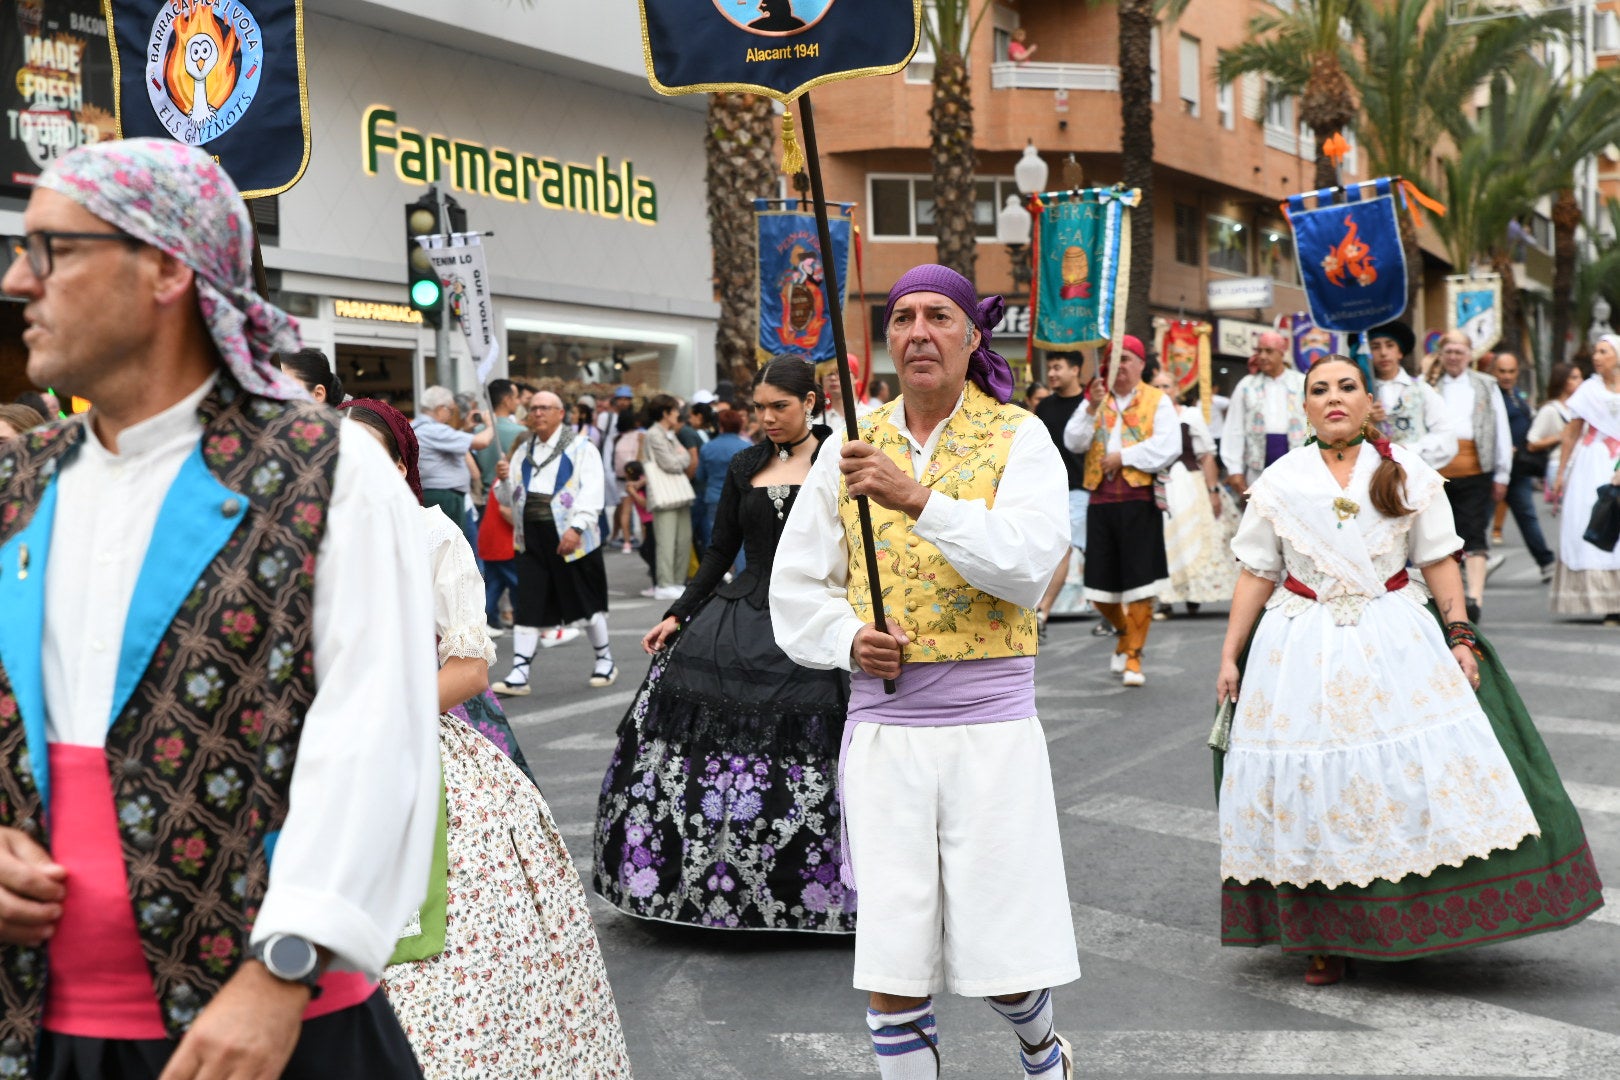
1013 223
1030 173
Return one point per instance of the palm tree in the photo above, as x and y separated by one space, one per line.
1525 146
741 167
1136 20
1601 276
1415 73
949 26
1304 52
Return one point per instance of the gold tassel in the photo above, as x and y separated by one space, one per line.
792 155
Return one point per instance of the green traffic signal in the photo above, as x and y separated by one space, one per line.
425 293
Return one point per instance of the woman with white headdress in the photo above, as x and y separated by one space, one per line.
1587 581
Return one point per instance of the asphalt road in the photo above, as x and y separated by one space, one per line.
1159 996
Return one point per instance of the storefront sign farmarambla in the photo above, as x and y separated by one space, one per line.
507 175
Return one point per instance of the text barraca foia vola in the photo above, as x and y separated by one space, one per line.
508 175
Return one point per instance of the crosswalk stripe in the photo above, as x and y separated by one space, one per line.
1564 681
616 700
1593 798
1167 819
1399 1030
1568 725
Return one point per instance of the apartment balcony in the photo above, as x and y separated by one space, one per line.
1006 75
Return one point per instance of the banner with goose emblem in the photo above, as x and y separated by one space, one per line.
225 75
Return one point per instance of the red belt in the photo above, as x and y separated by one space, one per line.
1399 581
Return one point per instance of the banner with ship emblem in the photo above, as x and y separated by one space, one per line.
225 75
779 48
795 312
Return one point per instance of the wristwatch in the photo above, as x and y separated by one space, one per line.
290 959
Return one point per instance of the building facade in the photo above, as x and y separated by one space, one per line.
1225 159
538 120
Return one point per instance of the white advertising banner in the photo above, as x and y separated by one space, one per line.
459 261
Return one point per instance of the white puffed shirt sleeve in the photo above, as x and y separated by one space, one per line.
1232 440
1079 429
1439 443
1433 534
1257 546
1009 551
588 468
351 863
458 596
1160 448
1193 417
1503 466
810 610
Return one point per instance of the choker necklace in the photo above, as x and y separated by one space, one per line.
784 451
1339 447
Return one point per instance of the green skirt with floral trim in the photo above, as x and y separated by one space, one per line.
1546 883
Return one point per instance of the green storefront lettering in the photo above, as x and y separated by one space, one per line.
599 189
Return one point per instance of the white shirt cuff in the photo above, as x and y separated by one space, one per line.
356 942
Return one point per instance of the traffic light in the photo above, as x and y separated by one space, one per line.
426 291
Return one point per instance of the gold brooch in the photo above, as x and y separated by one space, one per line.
1344 509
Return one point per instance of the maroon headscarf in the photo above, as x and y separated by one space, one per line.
404 437
986 367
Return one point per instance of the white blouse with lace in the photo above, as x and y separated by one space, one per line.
458 592
1358 750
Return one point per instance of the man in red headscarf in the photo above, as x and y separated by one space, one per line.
1127 431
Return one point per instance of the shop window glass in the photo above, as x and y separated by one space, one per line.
1276 252
1186 234
1227 241
891 207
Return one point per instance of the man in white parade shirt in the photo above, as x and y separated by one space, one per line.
553 485
946 785
1477 478
219 766
1267 416
1408 411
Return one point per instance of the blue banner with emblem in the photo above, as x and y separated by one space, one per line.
779 48
1082 265
225 75
1350 255
795 311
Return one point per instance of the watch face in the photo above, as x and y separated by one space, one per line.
290 957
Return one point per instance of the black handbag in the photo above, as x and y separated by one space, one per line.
1603 530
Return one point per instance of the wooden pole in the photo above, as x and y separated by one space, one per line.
852 431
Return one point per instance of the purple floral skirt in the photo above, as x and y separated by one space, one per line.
720 805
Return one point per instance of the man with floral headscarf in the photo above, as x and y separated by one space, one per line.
952 833
217 651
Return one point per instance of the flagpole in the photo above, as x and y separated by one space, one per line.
852 431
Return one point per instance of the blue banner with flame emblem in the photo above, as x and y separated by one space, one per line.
779 48
225 75
1350 255
794 310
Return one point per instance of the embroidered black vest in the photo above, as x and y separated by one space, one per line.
201 755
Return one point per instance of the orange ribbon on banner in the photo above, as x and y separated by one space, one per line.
1416 198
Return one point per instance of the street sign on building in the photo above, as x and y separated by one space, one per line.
1227 294
1235 337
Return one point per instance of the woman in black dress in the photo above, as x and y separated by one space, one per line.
720 806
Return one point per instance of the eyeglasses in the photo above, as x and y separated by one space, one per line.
39 247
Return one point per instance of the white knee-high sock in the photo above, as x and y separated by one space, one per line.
1031 1019
597 631
905 1043
525 639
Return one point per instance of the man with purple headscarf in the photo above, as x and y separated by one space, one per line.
217 650
952 833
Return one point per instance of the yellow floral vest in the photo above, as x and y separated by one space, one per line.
1138 428
944 616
